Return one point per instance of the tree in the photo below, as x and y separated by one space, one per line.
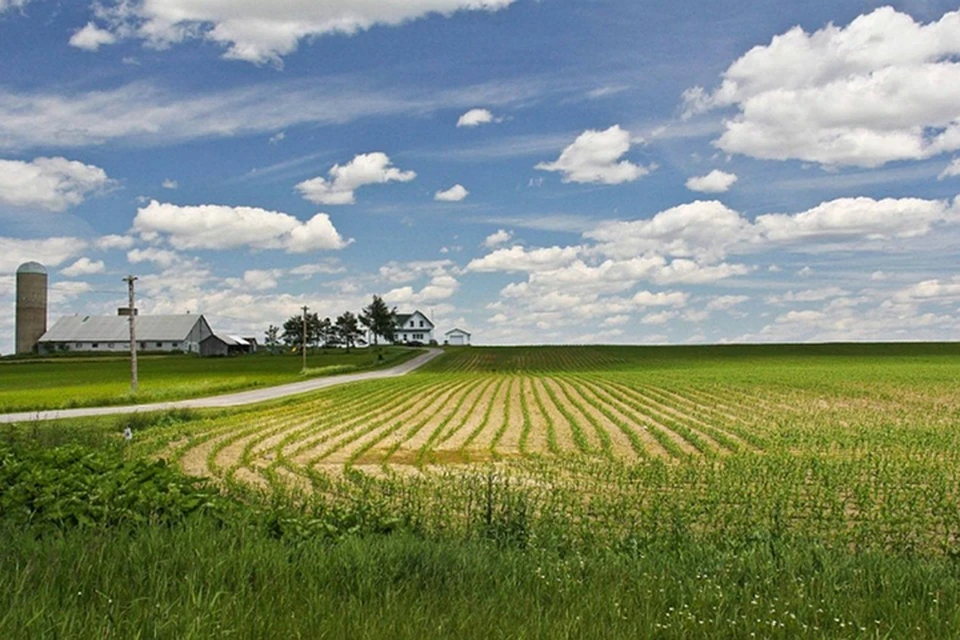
348 330
379 319
272 337
327 332
293 330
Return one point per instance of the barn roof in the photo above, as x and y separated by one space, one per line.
117 328
457 330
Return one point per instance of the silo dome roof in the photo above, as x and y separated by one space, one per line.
32 267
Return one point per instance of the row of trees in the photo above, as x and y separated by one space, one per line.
377 318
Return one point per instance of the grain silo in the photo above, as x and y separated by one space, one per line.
31 305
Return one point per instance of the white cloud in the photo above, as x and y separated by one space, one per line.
881 89
91 37
364 169
161 257
477 117
952 170
659 317
146 113
520 259
258 32
54 184
6 5
277 138
456 193
84 267
497 238
725 303
698 229
114 241
327 267
714 182
222 227
595 157
51 252
170 184
439 288
709 230
661 299
257 279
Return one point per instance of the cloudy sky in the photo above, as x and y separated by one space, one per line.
534 171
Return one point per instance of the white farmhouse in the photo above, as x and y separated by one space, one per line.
96 334
457 337
413 327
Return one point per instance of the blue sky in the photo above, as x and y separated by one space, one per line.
550 171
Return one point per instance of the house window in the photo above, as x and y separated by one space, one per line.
159 344
109 345
79 345
95 345
143 345
421 324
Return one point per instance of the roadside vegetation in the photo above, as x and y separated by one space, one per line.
63 382
773 492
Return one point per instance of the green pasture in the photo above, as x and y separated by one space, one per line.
63 382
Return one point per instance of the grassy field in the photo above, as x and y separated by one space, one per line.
775 491
63 382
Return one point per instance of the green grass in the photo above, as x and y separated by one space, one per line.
66 382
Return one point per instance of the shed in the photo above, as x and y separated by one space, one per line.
457 337
218 344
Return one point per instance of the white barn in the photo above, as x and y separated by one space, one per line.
457 337
98 334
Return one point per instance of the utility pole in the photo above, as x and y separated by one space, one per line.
304 349
133 334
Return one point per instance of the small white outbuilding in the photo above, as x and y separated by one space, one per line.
457 337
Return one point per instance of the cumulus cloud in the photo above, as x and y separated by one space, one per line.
91 37
456 193
595 156
161 257
52 252
257 279
520 259
497 238
709 230
170 184
881 89
477 117
952 170
260 33
84 267
54 184
439 288
218 227
364 169
714 182
114 241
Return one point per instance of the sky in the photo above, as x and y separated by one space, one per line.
531 171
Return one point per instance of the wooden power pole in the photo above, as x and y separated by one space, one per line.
134 384
303 351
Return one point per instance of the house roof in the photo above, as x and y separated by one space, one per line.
117 328
403 317
457 330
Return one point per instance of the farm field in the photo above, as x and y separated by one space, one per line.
555 492
856 446
65 382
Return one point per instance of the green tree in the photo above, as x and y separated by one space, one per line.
293 331
380 319
348 329
272 338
